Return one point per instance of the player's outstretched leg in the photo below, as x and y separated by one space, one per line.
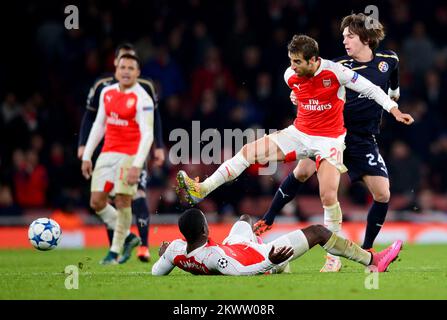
228 171
303 240
261 150
339 246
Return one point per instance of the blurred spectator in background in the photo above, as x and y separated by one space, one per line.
30 179
165 71
7 205
214 75
438 164
404 171
419 51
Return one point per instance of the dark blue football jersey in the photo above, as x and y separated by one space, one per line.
362 115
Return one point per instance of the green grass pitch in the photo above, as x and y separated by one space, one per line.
421 273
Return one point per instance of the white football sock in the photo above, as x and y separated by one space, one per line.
228 171
332 219
108 215
346 248
123 223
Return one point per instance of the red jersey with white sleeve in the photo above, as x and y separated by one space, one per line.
239 259
321 98
125 120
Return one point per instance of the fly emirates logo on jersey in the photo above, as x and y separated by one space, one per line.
114 119
314 105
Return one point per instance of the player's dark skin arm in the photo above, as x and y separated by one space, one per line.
163 248
280 255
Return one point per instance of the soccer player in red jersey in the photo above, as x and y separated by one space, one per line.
362 119
318 130
125 119
242 254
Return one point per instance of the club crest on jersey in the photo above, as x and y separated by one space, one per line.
326 83
383 66
130 102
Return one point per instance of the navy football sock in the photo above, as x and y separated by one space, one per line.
285 193
375 220
110 236
141 211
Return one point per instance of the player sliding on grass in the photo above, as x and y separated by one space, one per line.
318 130
362 117
241 254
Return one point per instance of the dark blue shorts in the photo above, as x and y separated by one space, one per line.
362 157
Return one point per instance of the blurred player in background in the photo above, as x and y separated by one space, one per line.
139 203
241 254
362 116
125 118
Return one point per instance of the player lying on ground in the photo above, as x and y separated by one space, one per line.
242 254
362 117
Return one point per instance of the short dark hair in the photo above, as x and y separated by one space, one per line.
123 46
191 224
132 57
305 45
356 24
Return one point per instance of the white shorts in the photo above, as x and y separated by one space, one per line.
242 232
298 145
110 174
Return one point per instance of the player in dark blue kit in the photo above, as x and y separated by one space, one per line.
139 203
362 117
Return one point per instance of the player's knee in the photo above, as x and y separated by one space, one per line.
246 218
97 204
301 176
328 197
316 234
382 196
322 233
122 201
